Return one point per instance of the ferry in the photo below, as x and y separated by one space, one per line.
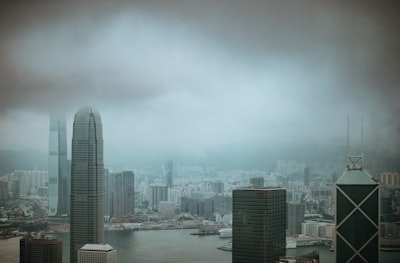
225 232
226 247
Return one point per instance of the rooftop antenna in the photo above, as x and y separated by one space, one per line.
356 161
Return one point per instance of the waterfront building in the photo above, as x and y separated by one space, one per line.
295 217
40 249
123 194
258 229
169 171
97 253
57 166
357 215
158 193
87 182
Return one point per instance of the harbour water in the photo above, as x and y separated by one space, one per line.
169 246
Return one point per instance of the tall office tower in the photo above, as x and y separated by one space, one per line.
40 249
257 182
96 253
307 176
58 166
295 217
158 193
87 182
357 215
259 224
123 195
169 169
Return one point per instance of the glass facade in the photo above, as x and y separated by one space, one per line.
87 182
259 224
357 218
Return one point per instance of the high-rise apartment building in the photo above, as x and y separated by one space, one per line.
307 176
295 217
357 215
158 193
40 249
169 170
97 253
87 182
123 195
257 182
57 165
259 224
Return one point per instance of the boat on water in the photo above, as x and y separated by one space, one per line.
225 232
226 247
204 233
290 243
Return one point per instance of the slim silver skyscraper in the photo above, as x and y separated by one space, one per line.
58 169
87 182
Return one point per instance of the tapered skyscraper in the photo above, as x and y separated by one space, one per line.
87 181
58 170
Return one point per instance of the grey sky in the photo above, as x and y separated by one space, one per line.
191 77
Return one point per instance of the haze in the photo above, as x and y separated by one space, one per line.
196 80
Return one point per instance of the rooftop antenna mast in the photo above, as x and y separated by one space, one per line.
356 161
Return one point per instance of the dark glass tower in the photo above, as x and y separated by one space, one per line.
40 249
357 216
58 166
259 224
87 182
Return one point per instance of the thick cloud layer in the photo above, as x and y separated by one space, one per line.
185 76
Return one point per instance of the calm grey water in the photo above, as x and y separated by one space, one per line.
180 246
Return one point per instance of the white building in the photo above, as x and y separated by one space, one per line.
97 253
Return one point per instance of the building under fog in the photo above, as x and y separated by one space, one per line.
58 167
122 194
87 182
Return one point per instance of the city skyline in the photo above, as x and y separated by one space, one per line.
201 80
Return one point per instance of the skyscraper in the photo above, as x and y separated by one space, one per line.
38 249
295 217
123 194
357 215
158 193
169 169
259 224
87 181
307 176
58 169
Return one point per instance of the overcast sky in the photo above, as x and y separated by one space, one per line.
193 77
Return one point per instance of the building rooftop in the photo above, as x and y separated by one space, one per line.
356 177
252 188
97 247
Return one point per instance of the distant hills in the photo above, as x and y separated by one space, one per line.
22 160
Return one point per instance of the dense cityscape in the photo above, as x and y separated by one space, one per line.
199 131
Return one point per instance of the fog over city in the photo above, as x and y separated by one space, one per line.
203 81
